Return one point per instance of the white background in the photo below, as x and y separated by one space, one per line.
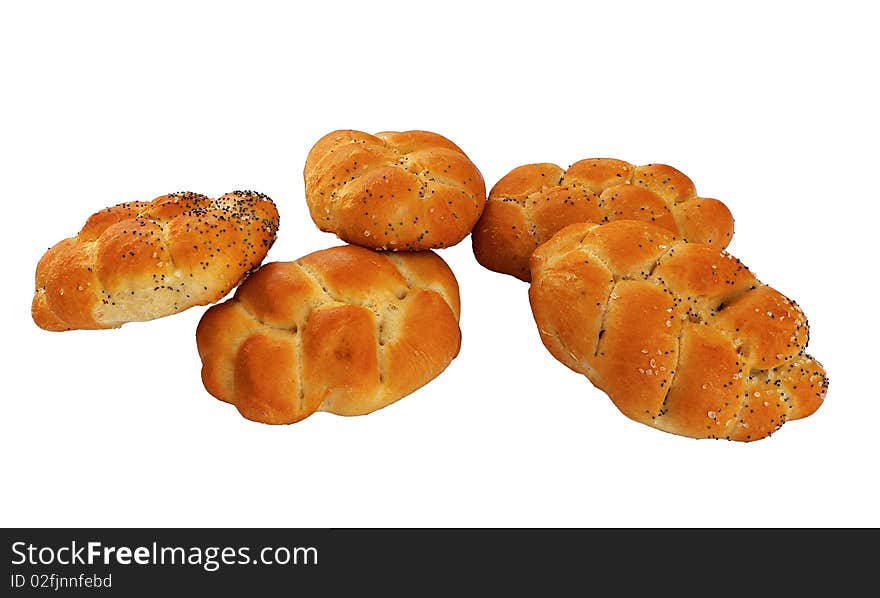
770 107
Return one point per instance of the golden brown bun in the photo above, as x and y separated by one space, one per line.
531 203
143 260
346 330
681 336
395 191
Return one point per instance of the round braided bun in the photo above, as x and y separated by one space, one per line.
531 203
405 191
681 336
143 260
345 330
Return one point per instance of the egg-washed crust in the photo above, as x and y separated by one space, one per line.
396 191
532 202
681 336
345 330
139 261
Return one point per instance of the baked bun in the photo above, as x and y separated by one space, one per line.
533 202
681 336
139 261
346 330
394 191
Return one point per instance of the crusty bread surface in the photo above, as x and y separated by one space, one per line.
681 336
532 202
346 330
396 191
139 261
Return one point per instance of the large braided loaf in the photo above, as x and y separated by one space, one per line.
680 335
531 203
346 330
405 191
139 261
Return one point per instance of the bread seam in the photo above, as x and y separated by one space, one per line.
428 287
736 420
673 375
604 316
380 353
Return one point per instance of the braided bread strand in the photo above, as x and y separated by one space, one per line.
681 336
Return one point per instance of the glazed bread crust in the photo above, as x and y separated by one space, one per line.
532 202
345 330
406 191
681 336
139 261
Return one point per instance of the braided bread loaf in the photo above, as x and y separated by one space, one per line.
345 330
681 336
396 191
139 261
529 204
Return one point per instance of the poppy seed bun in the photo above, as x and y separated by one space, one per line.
681 336
407 191
531 203
144 260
